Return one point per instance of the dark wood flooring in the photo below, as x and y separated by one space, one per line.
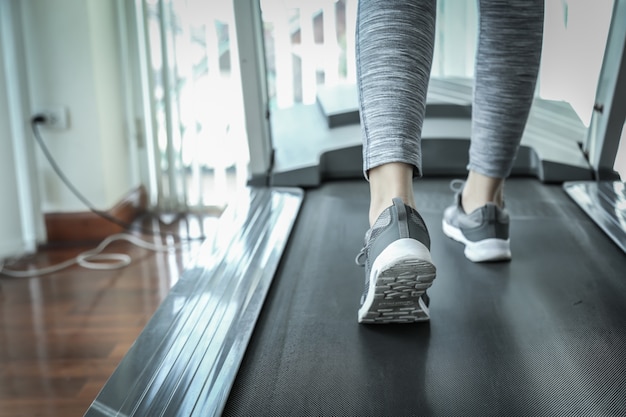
63 334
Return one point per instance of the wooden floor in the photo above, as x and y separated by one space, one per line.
63 334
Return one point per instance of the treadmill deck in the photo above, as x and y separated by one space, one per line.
542 335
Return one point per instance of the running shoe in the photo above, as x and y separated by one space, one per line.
484 231
398 267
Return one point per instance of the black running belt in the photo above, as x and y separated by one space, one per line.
542 335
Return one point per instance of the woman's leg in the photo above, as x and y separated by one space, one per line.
395 40
507 64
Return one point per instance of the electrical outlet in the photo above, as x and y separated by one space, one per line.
57 117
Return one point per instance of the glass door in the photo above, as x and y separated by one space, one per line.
308 49
609 109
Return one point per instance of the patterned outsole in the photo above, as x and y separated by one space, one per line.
398 293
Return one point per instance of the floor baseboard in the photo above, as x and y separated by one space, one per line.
88 226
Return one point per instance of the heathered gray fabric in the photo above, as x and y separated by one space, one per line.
395 41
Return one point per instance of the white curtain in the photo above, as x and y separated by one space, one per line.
196 144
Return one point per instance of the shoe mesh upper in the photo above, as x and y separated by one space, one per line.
381 225
486 222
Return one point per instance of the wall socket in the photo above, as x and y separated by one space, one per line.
57 117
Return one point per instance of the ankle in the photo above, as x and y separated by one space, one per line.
378 205
387 182
471 204
480 190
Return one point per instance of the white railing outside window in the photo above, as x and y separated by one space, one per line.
201 152
198 123
307 44
200 138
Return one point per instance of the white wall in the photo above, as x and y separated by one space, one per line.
110 99
72 60
21 220
574 41
11 239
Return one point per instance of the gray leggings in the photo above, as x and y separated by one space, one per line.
395 40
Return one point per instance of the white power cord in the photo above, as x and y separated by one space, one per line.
94 258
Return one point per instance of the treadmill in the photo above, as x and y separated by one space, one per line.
264 322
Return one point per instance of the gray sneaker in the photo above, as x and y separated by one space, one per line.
398 267
484 232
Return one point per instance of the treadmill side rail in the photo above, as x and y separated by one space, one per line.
185 360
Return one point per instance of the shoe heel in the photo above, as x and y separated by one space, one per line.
399 277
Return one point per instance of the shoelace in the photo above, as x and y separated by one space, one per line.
360 257
457 185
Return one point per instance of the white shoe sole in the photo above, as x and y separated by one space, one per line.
487 250
399 277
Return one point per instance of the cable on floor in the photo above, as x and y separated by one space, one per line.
40 119
94 258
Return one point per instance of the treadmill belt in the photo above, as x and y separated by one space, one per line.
542 335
